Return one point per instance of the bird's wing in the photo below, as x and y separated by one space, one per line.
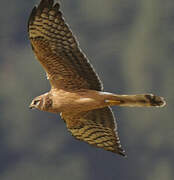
97 127
57 49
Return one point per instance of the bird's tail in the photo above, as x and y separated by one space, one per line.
138 100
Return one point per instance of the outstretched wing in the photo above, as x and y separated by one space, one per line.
96 127
57 49
68 68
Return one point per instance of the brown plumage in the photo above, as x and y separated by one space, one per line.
76 90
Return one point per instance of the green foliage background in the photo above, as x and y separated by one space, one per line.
130 44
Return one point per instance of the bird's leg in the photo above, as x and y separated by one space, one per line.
138 100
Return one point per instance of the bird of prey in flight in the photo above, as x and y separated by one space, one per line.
76 90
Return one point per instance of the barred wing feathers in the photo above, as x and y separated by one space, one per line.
57 49
96 127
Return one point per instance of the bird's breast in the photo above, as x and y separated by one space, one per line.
75 101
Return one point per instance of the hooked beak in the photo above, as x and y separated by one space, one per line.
31 106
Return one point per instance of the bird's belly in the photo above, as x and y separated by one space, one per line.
77 104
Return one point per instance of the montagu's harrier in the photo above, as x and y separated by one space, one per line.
76 90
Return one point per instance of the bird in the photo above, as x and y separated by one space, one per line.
76 91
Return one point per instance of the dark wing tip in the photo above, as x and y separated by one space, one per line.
121 152
32 16
56 7
38 10
45 4
118 150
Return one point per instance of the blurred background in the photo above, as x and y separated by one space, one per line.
130 44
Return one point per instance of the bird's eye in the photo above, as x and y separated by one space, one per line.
36 102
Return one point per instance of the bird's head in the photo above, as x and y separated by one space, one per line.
43 102
36 103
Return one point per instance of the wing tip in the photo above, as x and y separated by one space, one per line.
118 150
32 16
45 3
122 152
38 9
